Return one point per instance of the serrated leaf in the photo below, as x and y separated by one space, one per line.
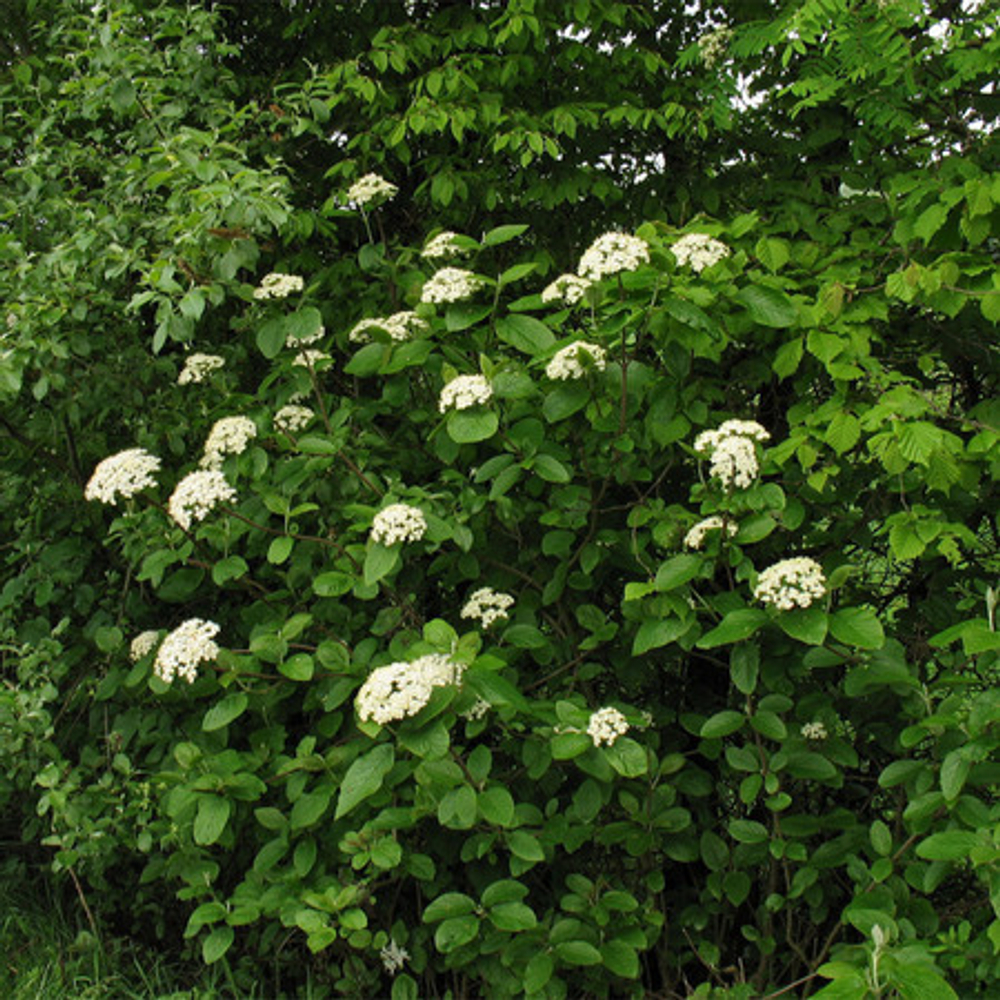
768 306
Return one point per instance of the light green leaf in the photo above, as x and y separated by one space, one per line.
231 707
525 334
211 818
364 778
858 627
217 944
380 561
768 306
474 424
739 624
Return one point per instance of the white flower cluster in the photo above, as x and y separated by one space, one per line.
699 250
399 690
479 708
393 957
122 475
465 391
569 362
309 357
488 605
400 326
568 288
228 436
444 245
450 284
292 418
278 286
606 725
188 645
791 583
196 494
713 45
734 456
814 731
143 644
695 538
309 338
197 366
370 188
399 522
612 253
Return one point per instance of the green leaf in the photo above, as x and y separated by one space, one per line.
280 549
231 707
808 625
217 944
954 772
380 561
503 234
858 627
843 433
310 807
513 917
768 306
474 424
455 932
627 757
769 725
448 905
525 334
653 634
748 831
620 958
677 571
364 778
579 953
299 667
333 584
550 469
211 818
565 400
744 663
230 568
496 805
303 323
525 846
739 624
722 724
538 972
122 95
787 358
271 338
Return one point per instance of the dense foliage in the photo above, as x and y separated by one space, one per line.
732 731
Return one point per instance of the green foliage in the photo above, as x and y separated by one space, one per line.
638 775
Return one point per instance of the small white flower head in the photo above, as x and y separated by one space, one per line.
122 475
568 288
695 538
400 326
371 188
465 391
450 284
574 360
196 494
488 605
606 725
713 45
228 436
399 522
184 648
479 708
278 286
309 338
393 957
814 731
197 366
613 253
292 418
791 583
699 250
733 452
400 690
443 247
143 644
309 358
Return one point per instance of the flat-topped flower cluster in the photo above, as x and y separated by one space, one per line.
399 690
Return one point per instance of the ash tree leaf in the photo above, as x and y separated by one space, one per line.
364 778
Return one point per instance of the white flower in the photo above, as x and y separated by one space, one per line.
393 957
713 45
125 474
187 646
278 286
612 253
606 725
479 708
309 357
488 605
143 644
292 418
444 245
309 338
795 582
465 391
699 250
732 450
568 288
450 284
814 731
400 690
399 522
196 494
400 326
228 436
370 188
695 538
197 366
574 360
